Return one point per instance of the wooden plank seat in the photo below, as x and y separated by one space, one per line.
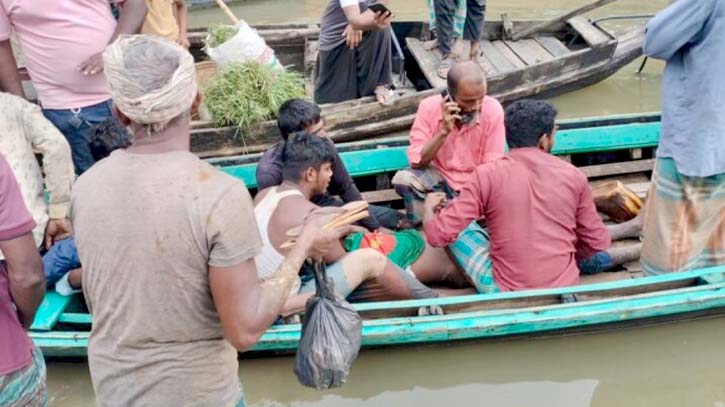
553 46
591 34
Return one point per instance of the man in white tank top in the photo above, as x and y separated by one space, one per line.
307 172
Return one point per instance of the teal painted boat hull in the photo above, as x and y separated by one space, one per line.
704 291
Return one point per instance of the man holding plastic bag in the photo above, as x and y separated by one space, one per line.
355 57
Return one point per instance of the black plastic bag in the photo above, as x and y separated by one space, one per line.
331 337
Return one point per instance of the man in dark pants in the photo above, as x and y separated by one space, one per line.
297 115
445 11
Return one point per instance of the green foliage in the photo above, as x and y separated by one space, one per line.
219 34
243 94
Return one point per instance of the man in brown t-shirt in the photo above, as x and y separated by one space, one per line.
168 243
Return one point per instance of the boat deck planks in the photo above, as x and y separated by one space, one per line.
510 56
591 34
497 59
530 51
553 46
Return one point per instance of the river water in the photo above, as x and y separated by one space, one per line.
674 365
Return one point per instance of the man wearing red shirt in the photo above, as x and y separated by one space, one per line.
538 209
451 136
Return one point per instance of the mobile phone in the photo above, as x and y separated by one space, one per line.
379 8
466 117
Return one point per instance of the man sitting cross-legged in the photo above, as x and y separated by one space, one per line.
450 137
542 225
297 115
307 171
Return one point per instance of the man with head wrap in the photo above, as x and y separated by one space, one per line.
168 244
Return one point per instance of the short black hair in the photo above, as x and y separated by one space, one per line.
527 120
107 136
296 115
303 150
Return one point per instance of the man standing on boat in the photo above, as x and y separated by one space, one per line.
355 53
300 115
541 223
170 278
451 136
22 368
446 12
685 211
62 42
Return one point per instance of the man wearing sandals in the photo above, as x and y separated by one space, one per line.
451 136
446 14
355 53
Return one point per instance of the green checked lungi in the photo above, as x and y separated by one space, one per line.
471 252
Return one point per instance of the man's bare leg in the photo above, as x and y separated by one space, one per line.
631 229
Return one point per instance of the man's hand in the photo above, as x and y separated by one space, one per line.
92 65
183 40
435 201
57 230
352 36
382 20
451 114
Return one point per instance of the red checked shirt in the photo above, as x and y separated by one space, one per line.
465 148
540 215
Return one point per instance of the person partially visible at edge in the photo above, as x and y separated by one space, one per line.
300 115
25 132
685 210
451 137
170 278
62 42
362 274
167 18
355 57
22 368
539 213
446 14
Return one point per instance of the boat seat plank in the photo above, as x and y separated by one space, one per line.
591 34
427 61
50 311
530 51
510 56
553 46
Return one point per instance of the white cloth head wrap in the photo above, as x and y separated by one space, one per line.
152 80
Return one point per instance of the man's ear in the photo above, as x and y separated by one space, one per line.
310 174
544 143
197 102
120 116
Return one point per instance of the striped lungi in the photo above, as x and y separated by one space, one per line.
459 18
684 226
26 387
471 252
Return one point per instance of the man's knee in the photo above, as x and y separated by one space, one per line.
373 261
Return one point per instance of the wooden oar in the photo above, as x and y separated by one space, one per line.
227 11
559 20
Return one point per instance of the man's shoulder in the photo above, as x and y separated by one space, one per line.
491 107
430 104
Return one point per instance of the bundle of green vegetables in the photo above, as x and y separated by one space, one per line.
219 34
243 94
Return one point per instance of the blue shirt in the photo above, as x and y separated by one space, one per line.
690 36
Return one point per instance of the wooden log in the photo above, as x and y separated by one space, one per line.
559 21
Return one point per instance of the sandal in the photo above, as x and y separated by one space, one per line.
444 67
385 95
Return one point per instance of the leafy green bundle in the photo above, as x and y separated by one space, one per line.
243 94
219 34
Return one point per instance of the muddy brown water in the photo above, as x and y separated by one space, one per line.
673 365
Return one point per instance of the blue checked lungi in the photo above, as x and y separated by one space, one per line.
471 252
684 225
26 387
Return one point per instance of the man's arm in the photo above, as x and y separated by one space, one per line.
592 235
130 21
247 307
182 17
425 136
269 168
25 275
9 76
675 26
444 228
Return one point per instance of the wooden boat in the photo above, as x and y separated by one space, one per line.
567 56
606 301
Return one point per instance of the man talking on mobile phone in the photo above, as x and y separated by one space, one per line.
453 133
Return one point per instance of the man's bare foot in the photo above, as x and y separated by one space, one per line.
384 95
430 45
